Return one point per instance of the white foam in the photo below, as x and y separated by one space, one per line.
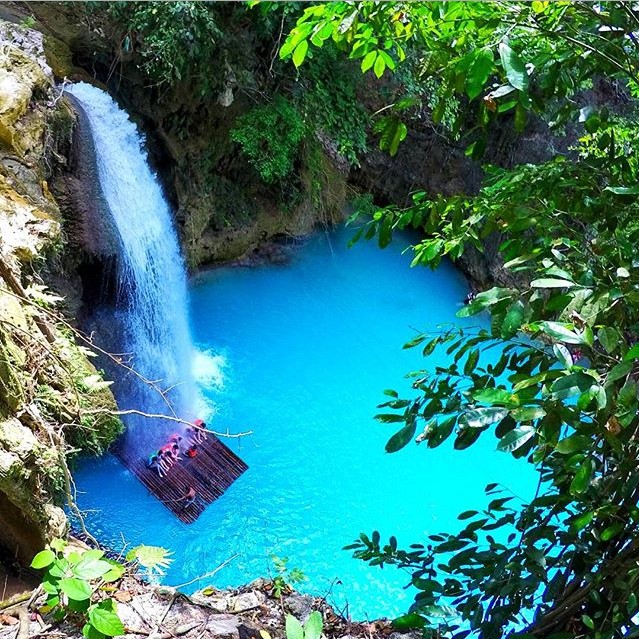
208 370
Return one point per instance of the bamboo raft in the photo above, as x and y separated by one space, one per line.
209 473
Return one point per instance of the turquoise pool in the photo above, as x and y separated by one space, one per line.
300 354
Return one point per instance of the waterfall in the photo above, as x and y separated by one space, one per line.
152 321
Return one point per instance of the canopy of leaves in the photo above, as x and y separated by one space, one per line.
503 57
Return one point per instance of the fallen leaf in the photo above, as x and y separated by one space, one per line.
7 620
123 596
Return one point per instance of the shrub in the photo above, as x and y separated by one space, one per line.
176 40
270 136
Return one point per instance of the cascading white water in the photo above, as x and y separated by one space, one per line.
151 275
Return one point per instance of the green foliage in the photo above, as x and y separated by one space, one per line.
326 94
82 403
285 577
154 559
562 394
175 41
269 136
506 58
28 22
312 629
75 583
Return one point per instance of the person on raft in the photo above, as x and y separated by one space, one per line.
192 451
176 438
189 498
167 455
197 432
157 462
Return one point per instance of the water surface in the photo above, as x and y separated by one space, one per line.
300 354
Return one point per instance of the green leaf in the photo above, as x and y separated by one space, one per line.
286 49
368 61
514 319
563 355
573 444
527 413
484 300
313 626
465 438
623 190
582 478
43 559
618 371
105 620
571 385
599 393
379 66
549 282
389 418
471 362
633 353
481 417
152 557
393 131
90 568
58 545
322 33
390 63
89 632
115 572
408 622
59 568
77 589
300 53
612 531
515 438
513 66
559 331
294 628
401 438
440 612
581 521
609 338
500 92
479 72
496 396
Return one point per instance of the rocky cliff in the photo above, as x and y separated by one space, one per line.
223 209
53 402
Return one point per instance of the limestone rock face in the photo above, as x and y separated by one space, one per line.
26 229
23 75
49 401
223 211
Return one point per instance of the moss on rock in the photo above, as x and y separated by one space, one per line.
53 402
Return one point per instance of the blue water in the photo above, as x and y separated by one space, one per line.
300 354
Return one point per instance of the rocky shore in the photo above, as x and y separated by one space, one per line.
253 611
